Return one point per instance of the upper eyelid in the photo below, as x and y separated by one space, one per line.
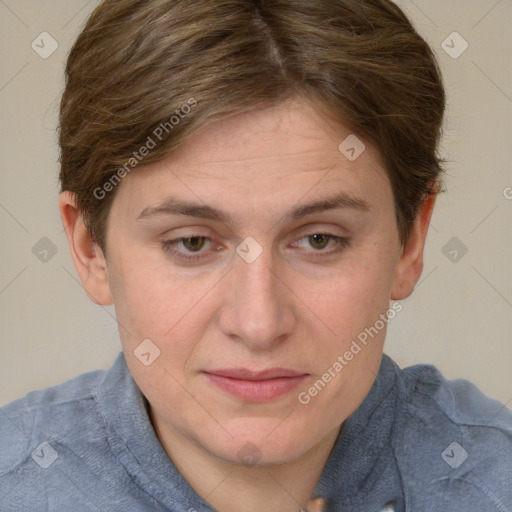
301 231
331 235
179 239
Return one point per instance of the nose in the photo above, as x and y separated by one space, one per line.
258 310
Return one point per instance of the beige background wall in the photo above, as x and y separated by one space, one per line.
460 317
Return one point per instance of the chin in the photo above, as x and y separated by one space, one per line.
260 442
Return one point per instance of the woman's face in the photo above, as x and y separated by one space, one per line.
252 258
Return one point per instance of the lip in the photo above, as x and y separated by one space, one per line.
256 386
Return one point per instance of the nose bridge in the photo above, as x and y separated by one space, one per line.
259 312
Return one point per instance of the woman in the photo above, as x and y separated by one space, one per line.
250 184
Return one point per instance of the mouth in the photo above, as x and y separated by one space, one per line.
260 386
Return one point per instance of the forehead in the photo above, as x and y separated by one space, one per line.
296 127
280 153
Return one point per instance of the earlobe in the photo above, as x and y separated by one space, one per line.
87 255
410 265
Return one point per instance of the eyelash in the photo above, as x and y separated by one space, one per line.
168 246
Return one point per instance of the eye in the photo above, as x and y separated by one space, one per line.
319 241
194 243
197 247
322 244
187 248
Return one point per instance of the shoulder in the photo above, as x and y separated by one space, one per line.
454 446
42 416
58 450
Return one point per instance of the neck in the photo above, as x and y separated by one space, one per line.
229 487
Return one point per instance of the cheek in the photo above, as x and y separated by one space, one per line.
345 363
352 296
152 301
350 304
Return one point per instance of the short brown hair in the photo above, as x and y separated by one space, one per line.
138 63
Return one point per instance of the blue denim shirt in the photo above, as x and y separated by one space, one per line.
418 442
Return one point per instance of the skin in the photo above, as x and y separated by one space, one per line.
286 309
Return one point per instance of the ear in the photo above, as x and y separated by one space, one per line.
87 256
410 265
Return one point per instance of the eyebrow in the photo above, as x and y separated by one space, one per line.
172 206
